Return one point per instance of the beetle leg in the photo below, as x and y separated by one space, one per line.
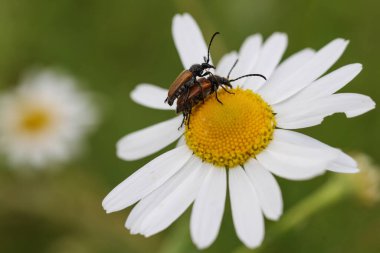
211 74
187 95
216 95
184 119
188 119
200 86
215 87
188 85
226 90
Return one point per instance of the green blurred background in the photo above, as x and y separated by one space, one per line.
113 45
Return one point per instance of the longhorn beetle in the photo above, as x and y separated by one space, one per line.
188 77
209 85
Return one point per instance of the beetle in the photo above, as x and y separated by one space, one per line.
188 77
209 85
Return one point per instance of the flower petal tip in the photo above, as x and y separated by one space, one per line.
275 216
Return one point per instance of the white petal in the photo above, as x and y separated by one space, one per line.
292 168
267 189
248 56
313 69
149 203
149 140
270 55
349 103
181 141
296 156
287 143
344 164
151 96
208 208
286 68
188 40
346 160
339 168
175 203
246 213
226 63
291 137
322 87
300 123
303 140
147 179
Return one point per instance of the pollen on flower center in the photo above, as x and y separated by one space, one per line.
34 120
228 135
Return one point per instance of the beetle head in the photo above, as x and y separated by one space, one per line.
206 65
197 69
224 81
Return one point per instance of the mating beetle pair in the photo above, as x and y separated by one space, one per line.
208 85
189 91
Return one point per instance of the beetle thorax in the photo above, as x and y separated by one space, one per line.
223 80
196 69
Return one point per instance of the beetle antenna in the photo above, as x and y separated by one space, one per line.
233 80
233 66
209 46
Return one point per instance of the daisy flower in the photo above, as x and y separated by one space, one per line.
250 137
44 119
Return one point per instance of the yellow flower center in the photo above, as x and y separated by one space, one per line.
228 135
35 120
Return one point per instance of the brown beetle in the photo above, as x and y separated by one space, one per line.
209 85
188 77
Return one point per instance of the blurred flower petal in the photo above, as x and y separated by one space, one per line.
43 122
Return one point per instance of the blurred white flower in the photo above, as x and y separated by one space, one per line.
249 138
43 121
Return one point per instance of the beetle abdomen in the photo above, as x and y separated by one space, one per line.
178 83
